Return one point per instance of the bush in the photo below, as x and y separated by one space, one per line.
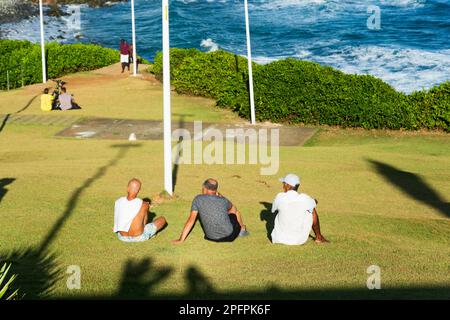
23 60
432 108
297 91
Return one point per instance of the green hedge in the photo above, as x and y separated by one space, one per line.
297 91
22 59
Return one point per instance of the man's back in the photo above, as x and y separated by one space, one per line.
294 219
65 101
46 102
213 211
124 213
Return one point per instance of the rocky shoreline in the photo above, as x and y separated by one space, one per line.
17 10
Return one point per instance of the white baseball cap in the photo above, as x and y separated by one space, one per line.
291 179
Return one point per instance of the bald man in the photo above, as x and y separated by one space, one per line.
131 216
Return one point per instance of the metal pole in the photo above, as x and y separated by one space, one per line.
133 27
41 15
7 80
21 73
250 69
166 89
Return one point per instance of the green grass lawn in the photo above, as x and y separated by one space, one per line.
61 202
108 94
383 200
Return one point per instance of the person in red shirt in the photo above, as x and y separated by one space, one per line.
124 55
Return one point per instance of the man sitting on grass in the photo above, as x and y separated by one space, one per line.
131 215
66 101
296 215
220 219
46 100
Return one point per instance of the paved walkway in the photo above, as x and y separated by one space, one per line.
120 129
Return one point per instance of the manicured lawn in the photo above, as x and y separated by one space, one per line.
383 200
108 94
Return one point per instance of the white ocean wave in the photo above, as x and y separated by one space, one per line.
405 69
262 59
340 5
209 44
60 29
413 4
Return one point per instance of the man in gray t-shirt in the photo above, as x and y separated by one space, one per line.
220 219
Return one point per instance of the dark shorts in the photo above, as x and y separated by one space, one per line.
234 234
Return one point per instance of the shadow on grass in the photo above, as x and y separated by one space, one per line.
6 118
37 268
413 186
178 155
3 183
37 271
269 217
140 279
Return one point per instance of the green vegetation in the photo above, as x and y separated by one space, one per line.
383 200
108 93
6 291
305 92
22 60
71 184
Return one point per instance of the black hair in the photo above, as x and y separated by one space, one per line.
46 90
211 184
295 188
63 89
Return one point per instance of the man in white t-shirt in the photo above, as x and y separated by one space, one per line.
296 216
131 215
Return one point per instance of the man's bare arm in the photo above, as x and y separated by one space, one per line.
187 228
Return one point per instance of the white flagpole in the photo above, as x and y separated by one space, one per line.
44 68
166 88
250 69
133 27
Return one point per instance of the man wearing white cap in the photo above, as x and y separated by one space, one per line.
296 216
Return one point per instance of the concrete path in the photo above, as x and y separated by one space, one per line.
120 129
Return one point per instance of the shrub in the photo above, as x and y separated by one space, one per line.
23 60
297 91
432 108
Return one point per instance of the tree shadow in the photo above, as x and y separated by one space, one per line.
198 285
269 217
75 197
139 278
6 118
37 271
3 183
36 267
413 185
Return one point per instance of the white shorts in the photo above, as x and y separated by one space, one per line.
149 232
124 58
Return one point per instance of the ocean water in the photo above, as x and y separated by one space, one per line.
410 51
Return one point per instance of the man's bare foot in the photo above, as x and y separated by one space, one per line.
321 240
